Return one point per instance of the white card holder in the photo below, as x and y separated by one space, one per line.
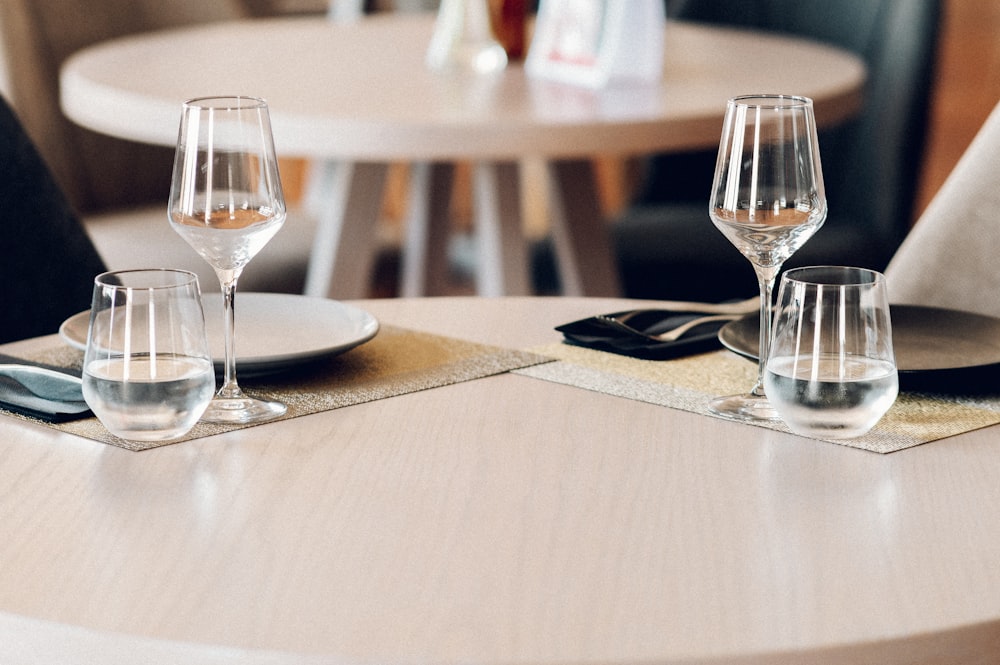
595 42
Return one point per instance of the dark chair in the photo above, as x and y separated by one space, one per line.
666 244
47 273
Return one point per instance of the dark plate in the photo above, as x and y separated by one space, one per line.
936 349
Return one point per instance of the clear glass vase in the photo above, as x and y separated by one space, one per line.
463 39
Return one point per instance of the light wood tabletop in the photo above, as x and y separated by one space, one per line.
360 91
359 95
500 520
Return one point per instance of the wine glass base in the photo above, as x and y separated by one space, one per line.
746 408
242 410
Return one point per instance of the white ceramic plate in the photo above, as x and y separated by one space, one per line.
274 331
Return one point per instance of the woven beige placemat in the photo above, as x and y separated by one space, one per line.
690 383
395 362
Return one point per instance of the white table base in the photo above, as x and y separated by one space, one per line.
348 200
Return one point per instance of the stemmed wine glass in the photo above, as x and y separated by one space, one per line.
768 200
226 201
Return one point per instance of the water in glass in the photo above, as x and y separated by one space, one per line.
829 396
144 400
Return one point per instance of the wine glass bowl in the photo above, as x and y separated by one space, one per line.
226 201
767 199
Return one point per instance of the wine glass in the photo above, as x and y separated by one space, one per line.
226 201
767 199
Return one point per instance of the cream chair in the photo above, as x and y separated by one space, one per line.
119 187
949 259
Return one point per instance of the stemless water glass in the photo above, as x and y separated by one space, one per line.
147 369
226 201
831 372
767 199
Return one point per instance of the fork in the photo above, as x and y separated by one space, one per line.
673 334
736 308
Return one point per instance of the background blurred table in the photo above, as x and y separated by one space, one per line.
501 520
358 94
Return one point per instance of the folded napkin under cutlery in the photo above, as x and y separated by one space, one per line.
656 334
52 394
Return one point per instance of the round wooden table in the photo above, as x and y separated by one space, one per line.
360 95
500 520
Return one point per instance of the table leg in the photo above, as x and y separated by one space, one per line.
343 255
503 256
425 255
586 262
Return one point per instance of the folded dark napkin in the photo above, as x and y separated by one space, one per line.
632 333
52 394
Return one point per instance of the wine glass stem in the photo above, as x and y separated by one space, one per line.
765 279
229 389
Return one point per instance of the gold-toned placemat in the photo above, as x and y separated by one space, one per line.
690 383
397 361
